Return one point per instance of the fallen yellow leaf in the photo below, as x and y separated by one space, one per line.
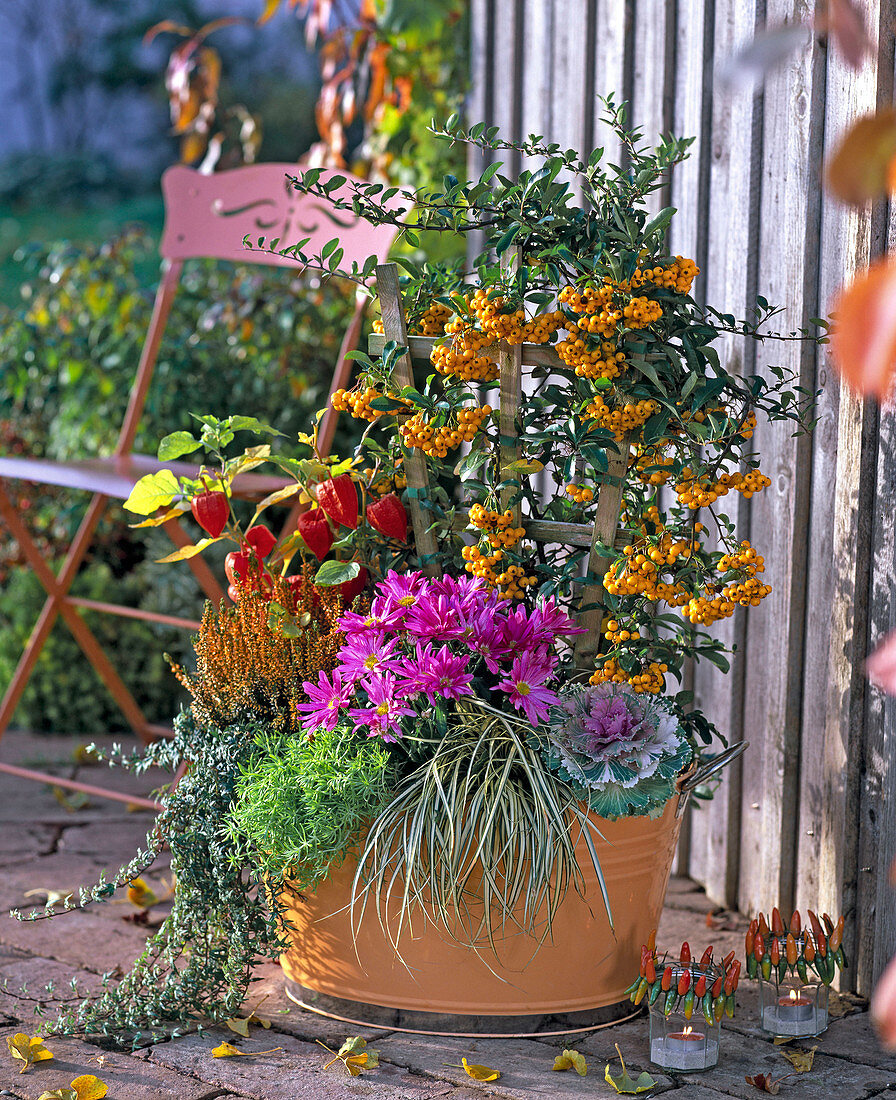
238 1026
141 894
226 1050
480 1073
88 1087
27 1049
571 1059
623 1083
59 1094
801 1060
354 1055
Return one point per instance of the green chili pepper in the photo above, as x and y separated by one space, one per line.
729 1006
782 969
689 1004
718 1008
752 966
707 1008
840 958
655 991
802 971
640 991
671 998
766 968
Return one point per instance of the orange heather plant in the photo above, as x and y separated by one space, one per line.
252 658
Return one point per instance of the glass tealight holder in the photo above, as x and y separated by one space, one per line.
683 1040
790 1008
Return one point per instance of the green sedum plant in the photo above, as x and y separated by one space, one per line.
301 802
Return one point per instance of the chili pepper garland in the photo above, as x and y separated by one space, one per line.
684 984
773 949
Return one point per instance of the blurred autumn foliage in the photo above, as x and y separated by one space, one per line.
387 69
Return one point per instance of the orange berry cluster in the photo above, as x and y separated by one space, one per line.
649 460
622 419
678 276
651 679
747 593
698 492
749 425
357 402
418 432
706 610
460 357
745 558
498 526
581 494
384 484
598 360
432 322
511 582
615 634
499 323
643 566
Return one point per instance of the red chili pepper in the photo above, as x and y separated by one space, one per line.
684 983
717 986
388 516
828 923
316 532
651 942
751 937
763 927
261 539
650 972
837 935
211 511
759 947
819 935
685 953
700 987
796 925
775 951
777 923
666 980
732 978
707 955
808 949
339 499
726 962
790 949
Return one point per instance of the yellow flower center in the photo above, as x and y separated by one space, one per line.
372 661
523 688
407 601
383 708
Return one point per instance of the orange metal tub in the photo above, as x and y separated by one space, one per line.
583 966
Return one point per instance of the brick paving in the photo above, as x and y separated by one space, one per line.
48 844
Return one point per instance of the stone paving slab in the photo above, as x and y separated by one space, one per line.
128 1078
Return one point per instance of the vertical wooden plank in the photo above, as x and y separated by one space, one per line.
875 898
727 282
654 41
789 235
839 545
613 67
571 100
689 194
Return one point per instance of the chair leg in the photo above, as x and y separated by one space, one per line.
57 591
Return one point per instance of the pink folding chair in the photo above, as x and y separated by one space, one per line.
206 216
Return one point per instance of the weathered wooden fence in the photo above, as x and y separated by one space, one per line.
809 816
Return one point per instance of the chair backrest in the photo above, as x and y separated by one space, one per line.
209 215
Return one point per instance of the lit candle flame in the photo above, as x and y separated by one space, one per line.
687 1030
793 994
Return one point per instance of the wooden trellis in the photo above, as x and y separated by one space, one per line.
602 533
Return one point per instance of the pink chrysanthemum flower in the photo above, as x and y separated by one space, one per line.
438 674
368 654
525 684
437 618
380 618
386 706
398 593
326 698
